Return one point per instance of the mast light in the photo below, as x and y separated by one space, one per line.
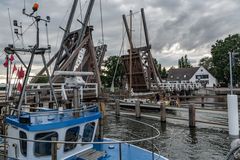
35 7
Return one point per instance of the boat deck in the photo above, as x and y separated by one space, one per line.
128 152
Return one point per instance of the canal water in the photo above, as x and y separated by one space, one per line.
176 141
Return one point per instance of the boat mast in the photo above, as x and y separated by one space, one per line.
129 34
156 73
35 50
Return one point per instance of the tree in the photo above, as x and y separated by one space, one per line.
164 73
110 66
220 58
206 62
42 79
183 62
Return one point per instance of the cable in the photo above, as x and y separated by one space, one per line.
100 6
122 46
10 22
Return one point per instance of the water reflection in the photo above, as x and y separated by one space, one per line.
193 135
176 141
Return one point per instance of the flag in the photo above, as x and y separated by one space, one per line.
14 68
6 63
20 73
11 58
19 87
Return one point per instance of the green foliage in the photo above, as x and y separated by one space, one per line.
108 72
160 70
42 79
183 62
164 73
220 58
206 62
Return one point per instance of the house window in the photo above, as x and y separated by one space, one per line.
72 135
43 148
88 132
205 76
23 143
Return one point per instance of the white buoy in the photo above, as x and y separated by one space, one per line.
233 123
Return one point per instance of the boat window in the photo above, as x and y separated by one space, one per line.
44 149
88 132
23 143
72 136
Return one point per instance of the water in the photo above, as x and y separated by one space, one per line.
176 141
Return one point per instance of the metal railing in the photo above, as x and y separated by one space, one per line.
54 148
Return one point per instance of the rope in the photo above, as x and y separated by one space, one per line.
10 22
121 48
48 44
80 6
64 17
100 6
105 142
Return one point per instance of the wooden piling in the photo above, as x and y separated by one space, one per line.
202 101
101 121
50 105
54 148
68 105
163 112
137 109
117 111
192 118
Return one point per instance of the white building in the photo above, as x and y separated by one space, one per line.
193 74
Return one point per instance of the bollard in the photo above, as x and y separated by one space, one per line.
117 112
233 124
54 148
163 112
137 109
192 118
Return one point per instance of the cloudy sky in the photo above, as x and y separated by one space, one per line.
176 27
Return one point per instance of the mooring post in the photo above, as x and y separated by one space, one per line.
50 104
233 120
54 148
117 103
101 121
192 118
163 112
202 101
137 109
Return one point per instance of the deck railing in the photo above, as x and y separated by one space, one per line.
54 143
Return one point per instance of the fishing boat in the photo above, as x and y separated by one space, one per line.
55 131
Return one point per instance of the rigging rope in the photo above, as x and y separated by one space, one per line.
49 51
64 17
101 21
10 22
80 6
121 49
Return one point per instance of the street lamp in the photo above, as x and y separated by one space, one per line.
230 66
232 103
